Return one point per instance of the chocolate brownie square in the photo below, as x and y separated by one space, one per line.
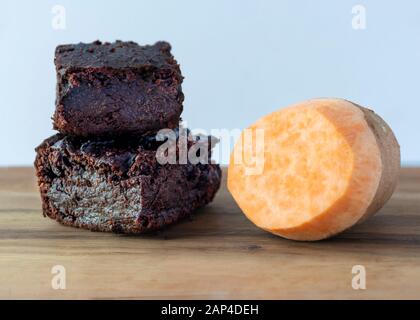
120 88
119 185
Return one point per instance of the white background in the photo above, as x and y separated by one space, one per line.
241 59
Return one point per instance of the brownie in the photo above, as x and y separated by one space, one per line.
118 185
120 88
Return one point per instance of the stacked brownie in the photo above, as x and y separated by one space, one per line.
102 171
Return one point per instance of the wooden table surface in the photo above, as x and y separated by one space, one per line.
218 254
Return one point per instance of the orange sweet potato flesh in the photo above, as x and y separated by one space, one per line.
328 164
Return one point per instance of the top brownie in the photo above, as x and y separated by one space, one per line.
114 89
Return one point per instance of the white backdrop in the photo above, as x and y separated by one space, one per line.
241 59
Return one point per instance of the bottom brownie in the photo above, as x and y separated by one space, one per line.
118 186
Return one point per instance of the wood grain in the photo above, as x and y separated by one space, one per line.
217 254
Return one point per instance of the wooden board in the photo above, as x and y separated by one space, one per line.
217 254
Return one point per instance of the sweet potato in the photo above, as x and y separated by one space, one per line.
328 164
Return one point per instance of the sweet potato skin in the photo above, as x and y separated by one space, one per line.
391 160
386 158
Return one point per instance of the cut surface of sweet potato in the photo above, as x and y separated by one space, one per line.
328 164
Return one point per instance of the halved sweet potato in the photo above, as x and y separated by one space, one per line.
328 164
